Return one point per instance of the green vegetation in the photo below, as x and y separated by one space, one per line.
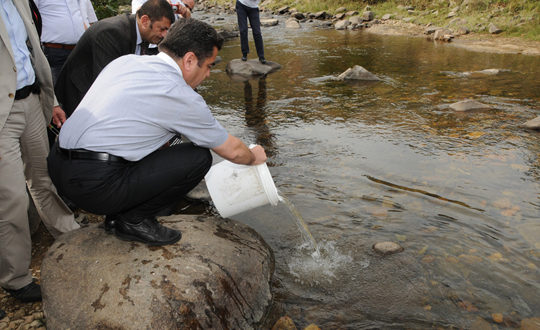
108 8
517 18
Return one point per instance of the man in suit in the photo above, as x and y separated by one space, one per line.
26 107
107 40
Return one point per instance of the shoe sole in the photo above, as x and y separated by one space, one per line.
129 238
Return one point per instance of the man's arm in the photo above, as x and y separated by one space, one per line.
237 152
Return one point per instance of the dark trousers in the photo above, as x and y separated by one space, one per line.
134 190
244 13
56 58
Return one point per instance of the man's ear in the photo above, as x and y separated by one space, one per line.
190 61
145 21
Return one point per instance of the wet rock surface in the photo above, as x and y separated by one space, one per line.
469 105
358 73
217 276
251 67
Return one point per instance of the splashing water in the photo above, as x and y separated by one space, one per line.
321 268
304 231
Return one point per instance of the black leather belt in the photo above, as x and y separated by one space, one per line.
90 155
24 92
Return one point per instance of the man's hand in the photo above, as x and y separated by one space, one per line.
237 152
59 116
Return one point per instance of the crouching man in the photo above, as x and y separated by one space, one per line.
108 158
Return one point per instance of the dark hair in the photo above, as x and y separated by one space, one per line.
191 35
156 10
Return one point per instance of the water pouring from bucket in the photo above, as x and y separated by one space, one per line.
238 188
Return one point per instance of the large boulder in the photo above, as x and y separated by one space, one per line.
358 73
251 68
218 276
342 25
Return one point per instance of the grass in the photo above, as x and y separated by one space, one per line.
517 18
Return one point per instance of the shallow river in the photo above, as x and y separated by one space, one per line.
390 161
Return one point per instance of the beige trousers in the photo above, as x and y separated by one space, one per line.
23 158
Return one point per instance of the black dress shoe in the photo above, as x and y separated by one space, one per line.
262 60
244 58
110 220
2 314
29 293
148 231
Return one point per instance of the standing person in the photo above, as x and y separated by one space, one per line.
25 110
105 41
249 9
108 158
87 12
62 27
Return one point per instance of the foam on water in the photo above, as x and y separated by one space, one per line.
318 267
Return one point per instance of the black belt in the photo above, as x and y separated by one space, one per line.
90 155
24 92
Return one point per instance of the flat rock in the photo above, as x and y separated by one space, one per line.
342 25
387 248
251 67
358 73
469 105
217 276
533 123
269 22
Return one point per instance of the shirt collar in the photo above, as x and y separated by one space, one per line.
139 38
167 59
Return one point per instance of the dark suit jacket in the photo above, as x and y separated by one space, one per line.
101 43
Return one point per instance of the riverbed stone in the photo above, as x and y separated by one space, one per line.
342 25
358 73
320 15
269 22
468 105
341 10
533 123
355 20
368 16
387 248
292 24
284 323
217 276
493 29
251 67
386 17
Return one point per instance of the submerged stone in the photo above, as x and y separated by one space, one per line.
468 105
533 123
358 73
387 248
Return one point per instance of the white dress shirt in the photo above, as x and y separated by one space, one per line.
17 37
87 12
62 21
135 106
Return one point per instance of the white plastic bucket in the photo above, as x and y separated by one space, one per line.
237 188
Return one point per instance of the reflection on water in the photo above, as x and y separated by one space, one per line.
390 161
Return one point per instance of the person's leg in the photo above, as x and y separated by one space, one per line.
241 14
56 58
136 189
56 216
255 23
15 242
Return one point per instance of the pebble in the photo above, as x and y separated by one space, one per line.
387 248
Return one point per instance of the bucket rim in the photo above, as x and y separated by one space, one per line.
268 184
